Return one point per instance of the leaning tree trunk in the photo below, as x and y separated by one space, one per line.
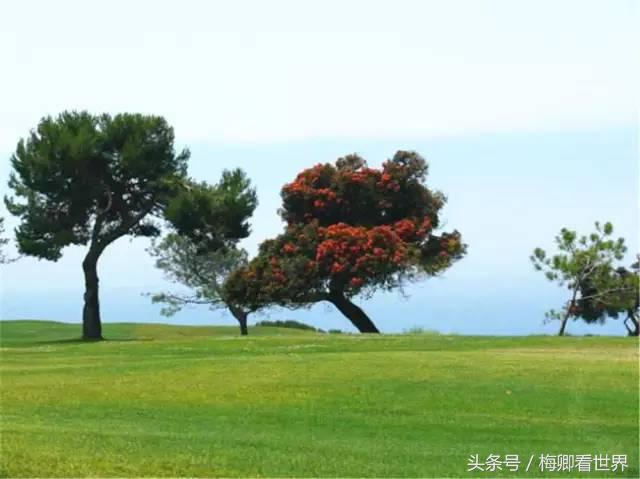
563 325
354 313
91 324
567 315
241 316
636 324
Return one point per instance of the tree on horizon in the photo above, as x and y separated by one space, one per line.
588 266
203 273
350 231
83 179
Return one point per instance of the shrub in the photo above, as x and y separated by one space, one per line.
289 323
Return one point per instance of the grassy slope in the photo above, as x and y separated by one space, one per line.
186 401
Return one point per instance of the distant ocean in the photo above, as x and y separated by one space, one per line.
439 305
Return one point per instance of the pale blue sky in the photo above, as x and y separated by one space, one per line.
526 111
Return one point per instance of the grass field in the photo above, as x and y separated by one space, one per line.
160 400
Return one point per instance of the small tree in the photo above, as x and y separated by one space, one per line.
202 272
200 257
586 266
350 230
81 179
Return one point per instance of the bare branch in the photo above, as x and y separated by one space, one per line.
175 298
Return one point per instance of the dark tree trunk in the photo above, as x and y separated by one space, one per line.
567 315
91 325
354 313
634 320
241 316
563 325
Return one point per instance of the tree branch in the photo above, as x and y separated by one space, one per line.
97 226
125 226
107 208
174 298
606 292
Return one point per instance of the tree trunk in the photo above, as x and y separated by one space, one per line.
636 324
356 315
563 326
241 316
91 325
567 315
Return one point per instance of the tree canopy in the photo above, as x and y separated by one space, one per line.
213 216
350 230
613 294
86 179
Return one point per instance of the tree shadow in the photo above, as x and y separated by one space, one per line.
89 341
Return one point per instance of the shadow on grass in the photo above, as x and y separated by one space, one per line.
87 341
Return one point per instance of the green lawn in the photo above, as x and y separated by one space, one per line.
160 400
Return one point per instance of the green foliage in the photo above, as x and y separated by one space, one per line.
214 216
80 179
202 271
588 266
420 330
288 323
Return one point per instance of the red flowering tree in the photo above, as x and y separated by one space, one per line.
351 230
